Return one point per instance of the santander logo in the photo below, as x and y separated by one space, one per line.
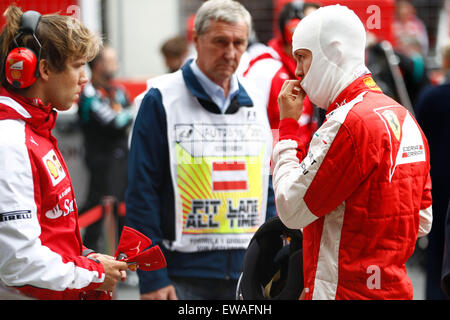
56 212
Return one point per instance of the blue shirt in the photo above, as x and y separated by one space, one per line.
214 91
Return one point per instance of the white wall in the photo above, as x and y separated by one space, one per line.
137 29
91 14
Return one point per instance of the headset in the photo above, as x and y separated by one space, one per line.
273 264
21 63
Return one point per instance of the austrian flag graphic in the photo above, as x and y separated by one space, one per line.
229 176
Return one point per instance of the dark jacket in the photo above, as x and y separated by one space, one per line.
445 283
433 114
150 194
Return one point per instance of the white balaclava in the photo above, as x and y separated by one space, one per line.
336 38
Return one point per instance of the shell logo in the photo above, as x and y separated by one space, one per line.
52 168
16 68
371 84
16 74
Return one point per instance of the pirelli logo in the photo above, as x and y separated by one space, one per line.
15 215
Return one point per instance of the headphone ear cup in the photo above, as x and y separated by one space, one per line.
21 67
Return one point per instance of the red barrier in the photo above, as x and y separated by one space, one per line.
134 87
121 209
96 213
90 216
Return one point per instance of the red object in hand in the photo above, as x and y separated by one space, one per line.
133 249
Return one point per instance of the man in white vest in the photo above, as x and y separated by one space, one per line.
199 179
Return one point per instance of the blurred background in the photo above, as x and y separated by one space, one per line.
138 28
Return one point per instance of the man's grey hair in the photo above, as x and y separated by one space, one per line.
223 10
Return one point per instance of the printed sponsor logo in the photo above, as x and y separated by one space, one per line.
411 151
16 75
17 65
64 193
32 141
15 215
68 206
54 167
371 84
393 122
309 160
16 68
251 115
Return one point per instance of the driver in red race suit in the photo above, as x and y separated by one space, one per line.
362 192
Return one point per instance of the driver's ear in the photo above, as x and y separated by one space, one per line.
44 70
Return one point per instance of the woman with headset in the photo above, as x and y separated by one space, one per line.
41 253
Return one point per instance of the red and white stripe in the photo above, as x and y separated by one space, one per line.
229 176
